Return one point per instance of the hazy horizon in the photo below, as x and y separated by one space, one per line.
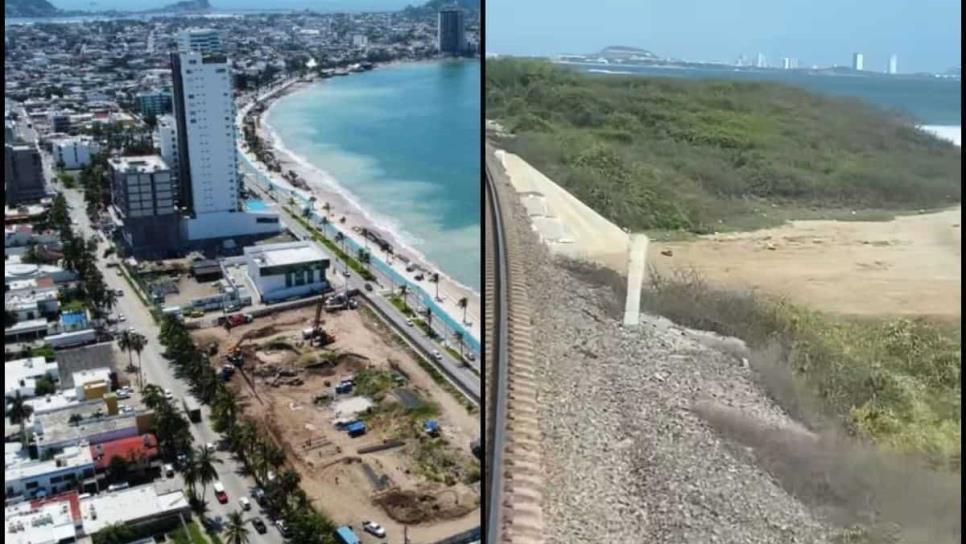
925 34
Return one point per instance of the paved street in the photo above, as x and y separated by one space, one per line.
157 371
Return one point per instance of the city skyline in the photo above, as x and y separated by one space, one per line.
823 34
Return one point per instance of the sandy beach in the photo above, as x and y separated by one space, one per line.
342 204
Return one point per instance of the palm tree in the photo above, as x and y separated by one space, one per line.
429 320
236 532
190 474
137 342
458 336
363 256
463 303
206 468
18 412
125 342
436 281
324 221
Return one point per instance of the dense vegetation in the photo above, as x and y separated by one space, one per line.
664 153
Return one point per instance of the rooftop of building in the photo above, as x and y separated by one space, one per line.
57 426
101 355
144 446
50 520
58 401
17 373
86 376
129 505
22 467
285 254
142 164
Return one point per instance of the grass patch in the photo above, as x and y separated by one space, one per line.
194 535
374 383
702 156
437 461
401 305
894 382
46 351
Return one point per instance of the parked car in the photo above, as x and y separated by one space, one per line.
374 529
210 446
259 495
168 394
120 317
168 470
220 493
283 528
259 525
245 503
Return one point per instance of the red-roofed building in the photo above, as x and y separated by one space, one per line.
70 497
142 449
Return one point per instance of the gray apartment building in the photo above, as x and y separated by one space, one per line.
23 174
145 202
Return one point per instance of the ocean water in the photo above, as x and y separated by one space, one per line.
404 142
929 101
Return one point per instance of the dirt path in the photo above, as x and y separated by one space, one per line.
907 266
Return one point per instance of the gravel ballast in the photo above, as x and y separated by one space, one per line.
626 457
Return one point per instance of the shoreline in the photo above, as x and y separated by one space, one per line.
343 204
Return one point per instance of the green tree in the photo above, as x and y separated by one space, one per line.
236 532
18 412
206 468
115 533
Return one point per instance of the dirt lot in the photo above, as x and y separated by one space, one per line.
907 266
390 486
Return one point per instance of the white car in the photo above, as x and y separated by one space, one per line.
168 470
373 528
168 394
245 503
120 317
437 355
409 322
210 446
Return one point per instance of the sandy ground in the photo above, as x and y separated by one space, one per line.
333 473
450 291
907 266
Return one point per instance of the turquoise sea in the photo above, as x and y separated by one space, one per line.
927 100
404 141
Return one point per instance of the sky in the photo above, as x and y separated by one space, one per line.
925 34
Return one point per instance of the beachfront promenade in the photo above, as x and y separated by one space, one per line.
445 311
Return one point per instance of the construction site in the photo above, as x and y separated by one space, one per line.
371 433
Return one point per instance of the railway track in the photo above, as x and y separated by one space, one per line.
514 483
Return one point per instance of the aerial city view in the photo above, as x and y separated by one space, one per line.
242 272
723 272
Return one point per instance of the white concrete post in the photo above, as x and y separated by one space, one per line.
636 270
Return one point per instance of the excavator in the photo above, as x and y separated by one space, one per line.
316 334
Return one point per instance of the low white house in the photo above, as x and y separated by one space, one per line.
287 270
22 375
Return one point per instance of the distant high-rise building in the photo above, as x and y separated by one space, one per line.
204 125
857 61
740 61
154 102
894 64
786 63
761 62
23 173
450 31
203 40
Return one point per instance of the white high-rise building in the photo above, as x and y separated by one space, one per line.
761 61
857 61
786 63
894 64
166 141
203 40
204 122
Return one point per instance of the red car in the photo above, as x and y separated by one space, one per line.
220 492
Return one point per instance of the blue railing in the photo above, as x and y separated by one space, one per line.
331 230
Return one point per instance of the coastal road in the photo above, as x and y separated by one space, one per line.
159 372
466 378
